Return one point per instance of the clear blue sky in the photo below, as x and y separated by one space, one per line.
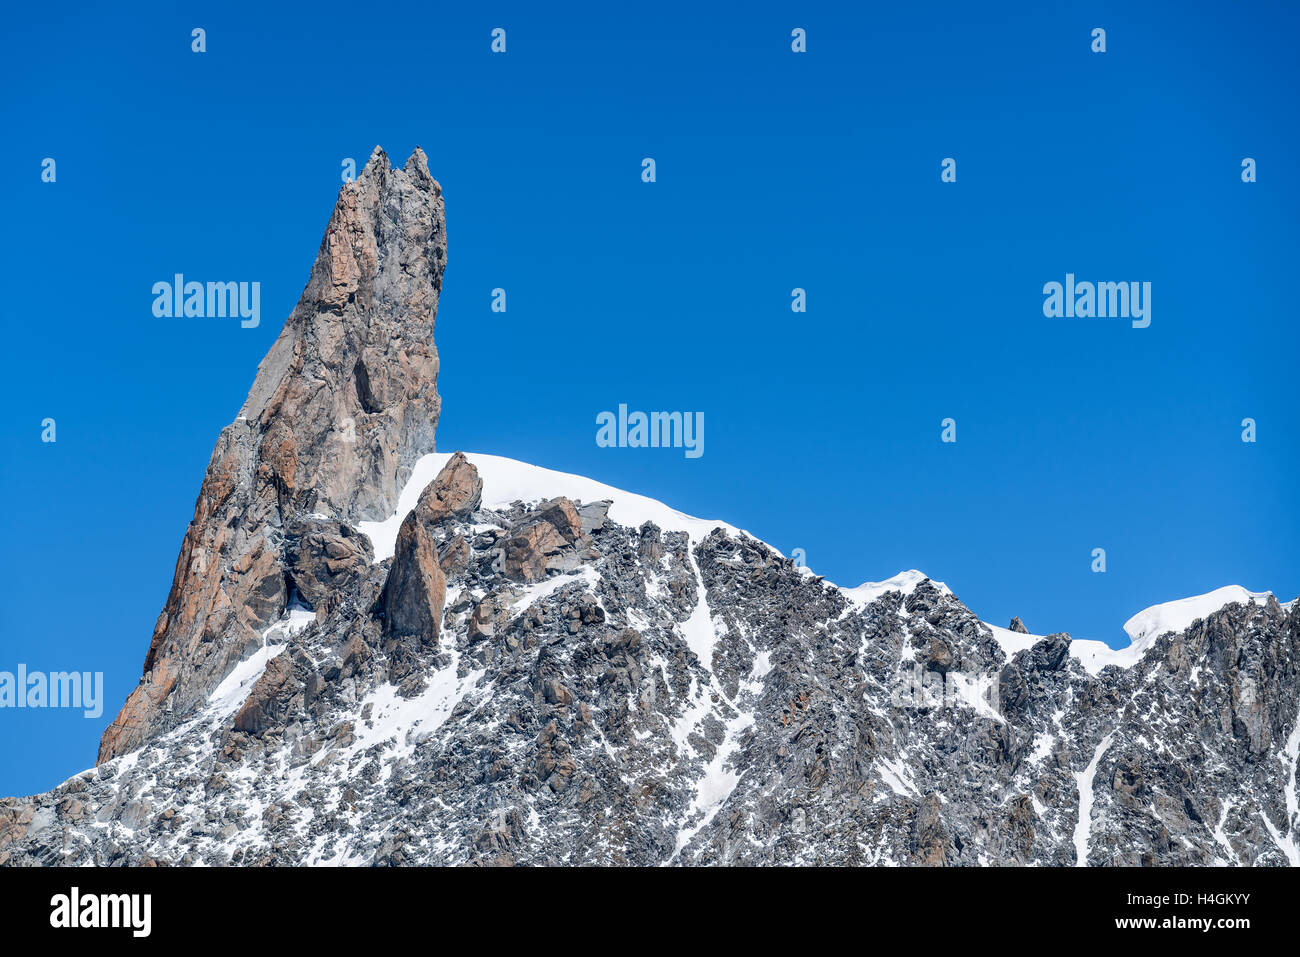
775 170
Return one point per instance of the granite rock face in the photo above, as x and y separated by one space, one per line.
341 407
537 669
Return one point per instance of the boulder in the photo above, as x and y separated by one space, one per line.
1050 653
323 555
456 492
416 589
530 551
264 703
562 515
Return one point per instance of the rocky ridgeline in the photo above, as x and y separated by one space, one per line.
532 681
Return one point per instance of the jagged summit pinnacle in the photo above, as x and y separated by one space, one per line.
417 164
342 406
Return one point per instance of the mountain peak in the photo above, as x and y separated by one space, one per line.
342 406
373 652
1177 615
417 164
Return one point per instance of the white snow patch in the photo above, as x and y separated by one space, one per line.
1012 641
973 691
506 481
898 776
1093 655
697 630
1096 655
549 586
717 781
1043 745
229 696
1151 623
1083 827
1222 838
394 717
715 784
905 581
1143 628
1290 758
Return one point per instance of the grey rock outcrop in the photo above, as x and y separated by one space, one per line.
544 543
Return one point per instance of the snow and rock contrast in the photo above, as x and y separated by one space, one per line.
342 406
376 653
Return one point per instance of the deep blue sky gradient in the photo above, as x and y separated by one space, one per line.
775 170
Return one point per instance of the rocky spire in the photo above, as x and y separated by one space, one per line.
342 406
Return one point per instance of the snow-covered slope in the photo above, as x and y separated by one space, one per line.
506 481
1177 615
904 582
1143 628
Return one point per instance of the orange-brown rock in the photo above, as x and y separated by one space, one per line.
454 493
534 549
562 515
528 551
416 588
16 817
263 703
342 406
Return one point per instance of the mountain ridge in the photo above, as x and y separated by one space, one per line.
375 653
399 725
